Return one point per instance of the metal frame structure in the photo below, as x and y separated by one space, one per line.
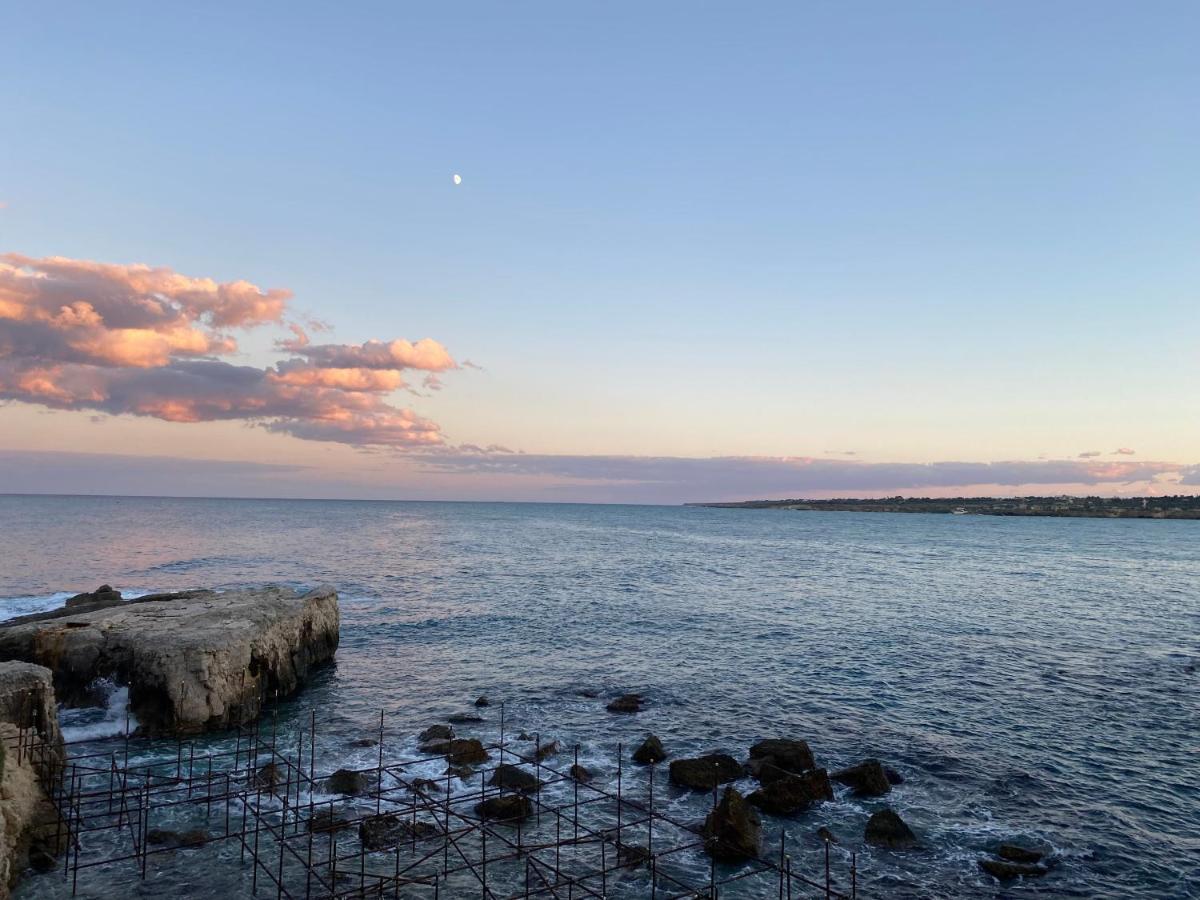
300 847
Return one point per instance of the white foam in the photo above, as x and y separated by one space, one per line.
96 723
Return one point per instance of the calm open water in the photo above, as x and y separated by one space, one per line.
1033 679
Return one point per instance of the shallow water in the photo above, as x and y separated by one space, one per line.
1032 678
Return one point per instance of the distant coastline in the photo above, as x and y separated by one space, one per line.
1174 507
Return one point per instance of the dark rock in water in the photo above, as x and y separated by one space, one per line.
826 835
511 778
363 742
267 778
590 693
524 736
547 749
347 781
458 751
765 770
464 719
791 755
508 808
580 774
704 773
886 829
893 776
1017 853
104 595
387 830
1005 870
482 701
426 786
326 820
867 778
651 751
165 837
626 703
632 856
42 860
436 733
733 830
793 793
462 773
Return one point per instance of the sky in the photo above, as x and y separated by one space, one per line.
699 251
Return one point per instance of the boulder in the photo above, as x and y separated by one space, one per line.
347 781
1017 853
793 793
507 808
482 701
893 776
651 751
462 773
1006 870
103 595
789 755
732 831
580 774
381 832
436 733
703 773
547 749
199 661
465 752
867 779
425 786
511 778
824 834
886 829
626 703
267 778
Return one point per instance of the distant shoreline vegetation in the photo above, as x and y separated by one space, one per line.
1174 507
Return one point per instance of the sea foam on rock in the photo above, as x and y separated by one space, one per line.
194 661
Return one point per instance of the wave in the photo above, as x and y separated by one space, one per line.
95 723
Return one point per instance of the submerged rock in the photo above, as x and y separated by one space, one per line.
465 752
791 794
580 774
482 701
326 820
547 749
425 786
194 662
512 778
824 834
267 778
632 856
464 719
733 830
462 773
704 773
508 808
867 779
626 703
1006 870
383 831
193 839
1017 853
893 776
651 751
886 829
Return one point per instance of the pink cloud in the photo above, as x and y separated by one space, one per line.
1124 451
136 340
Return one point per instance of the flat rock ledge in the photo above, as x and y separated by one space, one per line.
195 661
29 823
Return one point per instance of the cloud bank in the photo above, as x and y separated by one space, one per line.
131 339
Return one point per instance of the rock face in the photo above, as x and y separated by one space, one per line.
29 822
705 772
651 751
733 830
868 778
886 829
193 662
791 794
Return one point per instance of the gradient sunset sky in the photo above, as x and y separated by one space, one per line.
699 252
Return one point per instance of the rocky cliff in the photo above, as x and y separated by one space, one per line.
196 661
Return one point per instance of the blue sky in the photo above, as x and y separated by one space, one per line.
918 232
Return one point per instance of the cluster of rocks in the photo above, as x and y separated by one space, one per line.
1015 861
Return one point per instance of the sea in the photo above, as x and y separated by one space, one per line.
1033 680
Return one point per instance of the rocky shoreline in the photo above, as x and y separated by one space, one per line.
194 661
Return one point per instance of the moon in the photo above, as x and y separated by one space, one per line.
458 179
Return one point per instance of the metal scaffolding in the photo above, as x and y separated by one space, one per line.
397 835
